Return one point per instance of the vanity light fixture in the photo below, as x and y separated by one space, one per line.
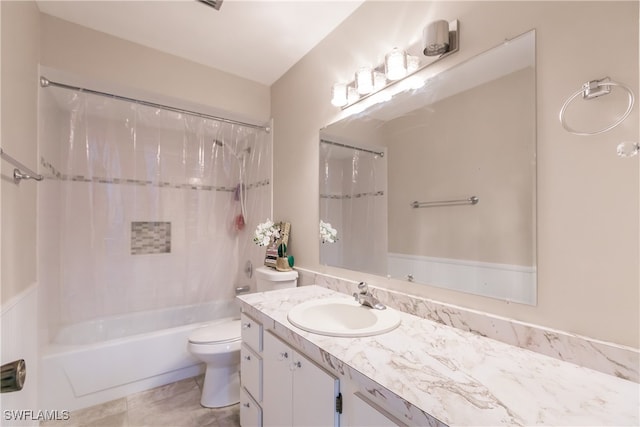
439 40
339 95
352 94
395 64
364 80
379 80
413 63
436 38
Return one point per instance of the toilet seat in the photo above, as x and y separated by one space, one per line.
217 333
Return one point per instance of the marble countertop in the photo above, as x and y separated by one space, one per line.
434 374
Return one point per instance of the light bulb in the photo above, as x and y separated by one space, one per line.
352 95
379 80
413 63
395 64
435 38
339 95
364 80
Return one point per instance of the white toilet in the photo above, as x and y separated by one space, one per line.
218 345
268 279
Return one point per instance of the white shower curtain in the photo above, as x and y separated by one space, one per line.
353 201
144 206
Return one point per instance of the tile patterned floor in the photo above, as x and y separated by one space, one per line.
171 405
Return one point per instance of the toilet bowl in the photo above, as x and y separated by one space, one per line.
218 346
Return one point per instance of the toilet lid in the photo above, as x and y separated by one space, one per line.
217 333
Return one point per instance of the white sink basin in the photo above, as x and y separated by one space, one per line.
341 317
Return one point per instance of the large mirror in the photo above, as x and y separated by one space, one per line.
437 183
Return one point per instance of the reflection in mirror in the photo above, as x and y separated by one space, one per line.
463 147
353 202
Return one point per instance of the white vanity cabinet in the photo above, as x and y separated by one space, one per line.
251 372
362 412
296 392
250 411
280 387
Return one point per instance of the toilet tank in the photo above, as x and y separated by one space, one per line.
268 279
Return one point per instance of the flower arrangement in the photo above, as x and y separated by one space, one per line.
328 234
266 233
275 237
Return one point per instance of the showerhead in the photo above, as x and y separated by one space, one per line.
231 150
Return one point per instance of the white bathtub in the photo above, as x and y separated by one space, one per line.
105 359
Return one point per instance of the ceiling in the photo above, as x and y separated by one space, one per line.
258 40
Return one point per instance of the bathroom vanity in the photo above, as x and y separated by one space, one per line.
421 373
280 386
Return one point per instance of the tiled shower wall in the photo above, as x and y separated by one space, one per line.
353 198
141 214
150 237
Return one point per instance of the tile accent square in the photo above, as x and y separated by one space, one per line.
150 237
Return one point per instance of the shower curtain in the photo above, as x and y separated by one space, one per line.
353 200
144 208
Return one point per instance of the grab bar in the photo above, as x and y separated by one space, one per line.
352 147
473 200
18 175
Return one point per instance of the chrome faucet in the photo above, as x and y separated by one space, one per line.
365 297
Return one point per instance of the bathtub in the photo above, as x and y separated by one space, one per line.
100 360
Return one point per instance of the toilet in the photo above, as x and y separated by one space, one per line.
218 346
268 279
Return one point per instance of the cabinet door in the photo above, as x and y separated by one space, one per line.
251 332
251 372
277 405
364 413
314 394
250 412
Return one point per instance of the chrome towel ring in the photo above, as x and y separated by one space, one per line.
594 89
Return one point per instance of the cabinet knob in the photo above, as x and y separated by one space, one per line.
246 405
246 325
295 365
247 357
283 355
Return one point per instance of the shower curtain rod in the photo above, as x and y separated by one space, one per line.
44 82
339 144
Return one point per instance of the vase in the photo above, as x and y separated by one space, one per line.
282 264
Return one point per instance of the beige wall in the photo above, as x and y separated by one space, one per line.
102 62
489 153
94 58
20 45
588 227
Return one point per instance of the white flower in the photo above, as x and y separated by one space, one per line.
328 234
266 233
